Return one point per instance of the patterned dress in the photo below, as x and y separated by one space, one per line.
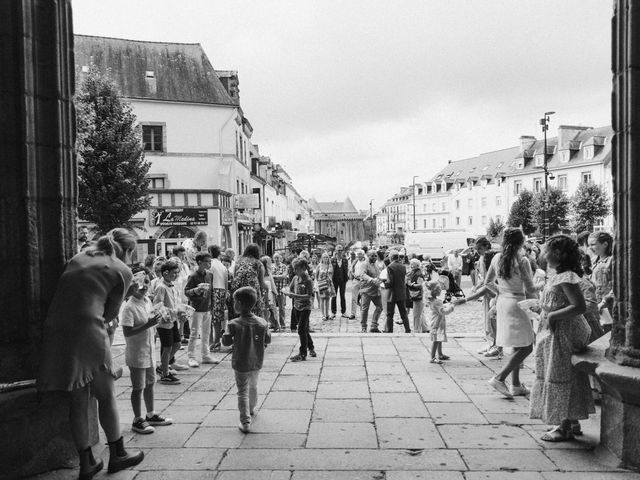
246 275
325 273
560 392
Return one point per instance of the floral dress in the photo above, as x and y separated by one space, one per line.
325 273
246 275
560 391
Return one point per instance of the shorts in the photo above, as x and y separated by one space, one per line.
142 377
169 336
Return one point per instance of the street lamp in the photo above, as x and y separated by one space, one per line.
414 202
544 122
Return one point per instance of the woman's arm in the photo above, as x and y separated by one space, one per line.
577 305
263 285
527 276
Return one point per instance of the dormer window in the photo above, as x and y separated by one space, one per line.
588 152
540 160
499 181
520 164
565 156
469 185
457 187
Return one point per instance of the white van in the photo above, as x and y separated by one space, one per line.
436 244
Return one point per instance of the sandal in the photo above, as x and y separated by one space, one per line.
436 360
557 435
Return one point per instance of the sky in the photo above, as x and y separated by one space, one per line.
355 97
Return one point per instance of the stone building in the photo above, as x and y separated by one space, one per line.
341 220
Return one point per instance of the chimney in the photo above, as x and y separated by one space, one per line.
526 142
566 133
150 81
230 82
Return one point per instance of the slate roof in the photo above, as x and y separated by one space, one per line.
345 206
486 164
182 71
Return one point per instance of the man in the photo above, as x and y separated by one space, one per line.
355 287
454 264
83 238
281 279
396 283
340 277
193 246
367 274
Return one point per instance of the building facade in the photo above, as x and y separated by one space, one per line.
341 220
391 219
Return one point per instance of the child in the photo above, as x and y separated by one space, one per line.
249 335
137 325
198 289
438 327
301 291
166 295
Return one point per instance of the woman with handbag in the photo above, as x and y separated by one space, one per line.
324 274
415 281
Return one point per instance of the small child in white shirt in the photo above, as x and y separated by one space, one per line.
437 320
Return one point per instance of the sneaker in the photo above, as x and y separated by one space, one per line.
215 347
245 427
140 425
519 391
436 360
493 352
445 357
172 371
158 420
159 370
210 360
193 363
352 317
297 358
374 330
312 353
170 379
333 316
363 330
180 366
500 387
344 315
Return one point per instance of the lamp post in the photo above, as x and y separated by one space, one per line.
414 202
371 223
544 122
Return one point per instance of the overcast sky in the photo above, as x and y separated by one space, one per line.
355 97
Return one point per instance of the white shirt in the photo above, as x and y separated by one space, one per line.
454 263
220 274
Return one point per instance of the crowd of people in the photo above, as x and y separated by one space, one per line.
557 298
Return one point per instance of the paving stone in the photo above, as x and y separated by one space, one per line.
349 373
174 475
456 413
342 435
255 475
583 460
190 414
441 391
591 476
475 386
297 383
496 403
409 433
390 383
376 357
367 475
497 460
214 384
198 398
395 475
289 401
405 404
511 418
174 435
342 459
588 441
342 410
503 476
230 401
343 390
274 440
302 368
343 361
385 368
379 350
281 421
216 437
486 436
181 459
222 418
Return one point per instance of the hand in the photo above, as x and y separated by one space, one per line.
153 321
552 321
459 301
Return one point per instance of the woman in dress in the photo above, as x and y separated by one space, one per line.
561 395
415 283
514 330
326 290
249 272
76 348
601 244
270 307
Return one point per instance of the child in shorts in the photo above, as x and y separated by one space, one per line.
137 325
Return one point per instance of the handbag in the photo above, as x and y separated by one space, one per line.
323 284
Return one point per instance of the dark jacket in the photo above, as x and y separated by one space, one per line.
340 273
249 337
396 282
201 302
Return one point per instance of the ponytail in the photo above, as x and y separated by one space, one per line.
512 241
116 242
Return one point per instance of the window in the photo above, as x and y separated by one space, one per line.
537 185
444 223
152 138
484 220
540 160
156 183
562 183
433 207
444 206
520 164
499 181
457 204
483 202
470 220
457 220
586 177
470 203
517 187
498 201
425 223
566 156
424 207
434 223
588 152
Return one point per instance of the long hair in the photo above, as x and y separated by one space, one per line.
512 242
252 250
116 242
567 252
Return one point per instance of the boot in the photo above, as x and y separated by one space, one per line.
88 464
119 459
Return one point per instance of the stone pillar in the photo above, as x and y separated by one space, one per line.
38 195
620 377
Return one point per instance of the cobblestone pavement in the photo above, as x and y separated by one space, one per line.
369 407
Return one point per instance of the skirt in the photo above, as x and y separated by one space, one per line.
514 328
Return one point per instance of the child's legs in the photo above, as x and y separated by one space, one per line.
103 389
147 393
253 390
217 331
204 336
242 383
435 346
281 300
138 377
294 318
324 305
303 330
196 321
440 349
166 344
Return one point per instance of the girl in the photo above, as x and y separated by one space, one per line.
601 244
270 307
561 395
438 324
324 275
415 282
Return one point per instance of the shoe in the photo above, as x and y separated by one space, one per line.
140 425
172 371
89 463
312 353
333 316
363 330
180 366
158 420
215 347
297 358
557 434
444 357
119 458
493 352
344 315
436 360
294 330
210 360
159 370
170 379
184 341
193 363
398 322
118 373
245 427
374 330
351 317
500 387
519 391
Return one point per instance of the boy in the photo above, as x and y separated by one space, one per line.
198 290
137 326
301 291
249 335
166 295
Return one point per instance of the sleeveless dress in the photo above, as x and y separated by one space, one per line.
246 275
560 391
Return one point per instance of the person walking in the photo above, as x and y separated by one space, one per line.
324 275
340 267
396 283
368 275
249 272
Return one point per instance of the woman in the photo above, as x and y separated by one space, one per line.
326 290
514 329
249 272
601 244
270 307
415 281
561 395
76 348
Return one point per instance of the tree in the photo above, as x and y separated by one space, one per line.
112 183
521 213
557 209
589 204
495 228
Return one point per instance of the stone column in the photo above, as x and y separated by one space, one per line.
620 377
38 194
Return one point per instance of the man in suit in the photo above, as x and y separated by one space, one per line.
396 283
340 276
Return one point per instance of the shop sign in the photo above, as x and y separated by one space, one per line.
226 216
247 201
168 217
